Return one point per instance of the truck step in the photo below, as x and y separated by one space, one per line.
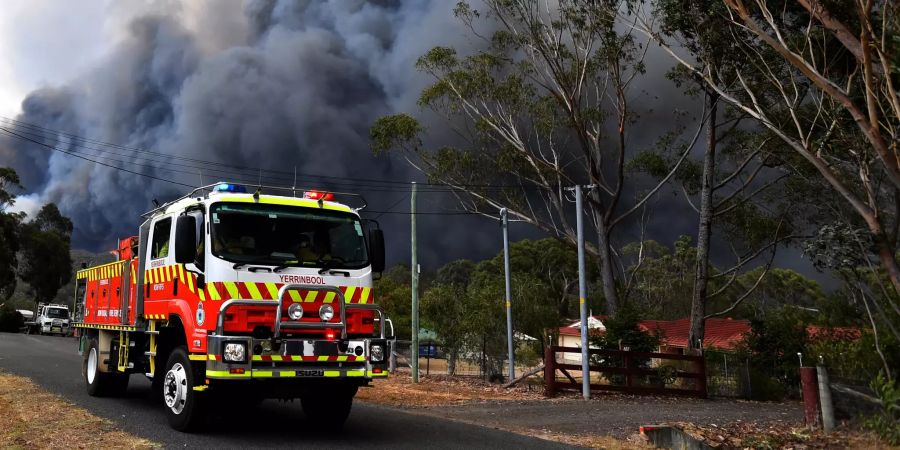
149 353
151 332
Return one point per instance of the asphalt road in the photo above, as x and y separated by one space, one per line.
53 363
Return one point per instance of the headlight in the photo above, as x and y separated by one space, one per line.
326 312
295 311
376 352
234 352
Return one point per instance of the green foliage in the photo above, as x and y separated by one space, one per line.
394 294
663 279
46 264
10 319
399 130
623 332
772 346
9 232
887 424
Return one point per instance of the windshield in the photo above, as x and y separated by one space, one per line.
287 235
57 313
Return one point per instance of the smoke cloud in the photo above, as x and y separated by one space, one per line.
264 83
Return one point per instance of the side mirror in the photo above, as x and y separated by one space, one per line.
185 239
376 250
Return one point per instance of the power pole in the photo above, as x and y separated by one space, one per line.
582 293
414 270
504 216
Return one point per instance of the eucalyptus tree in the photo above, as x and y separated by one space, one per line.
547 103
821 77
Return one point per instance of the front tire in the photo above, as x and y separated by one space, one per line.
183 404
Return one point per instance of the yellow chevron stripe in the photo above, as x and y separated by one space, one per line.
277 358
232 289
273 291
341 358
254 292
323 358
348 293
310 296
366 293
295 296
181 273
213 293
190 281
202 294
329 297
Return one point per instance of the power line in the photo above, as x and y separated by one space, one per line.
96 162
242 171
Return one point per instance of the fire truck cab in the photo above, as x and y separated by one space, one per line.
228 296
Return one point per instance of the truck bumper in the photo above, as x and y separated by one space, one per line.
296 358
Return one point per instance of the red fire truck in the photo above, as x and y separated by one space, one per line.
230 295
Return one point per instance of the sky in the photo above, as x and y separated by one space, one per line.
278 85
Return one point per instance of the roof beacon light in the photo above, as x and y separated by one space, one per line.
228 187
317 195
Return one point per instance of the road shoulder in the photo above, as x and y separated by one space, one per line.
34 418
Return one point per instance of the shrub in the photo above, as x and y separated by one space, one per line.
10 319
887 424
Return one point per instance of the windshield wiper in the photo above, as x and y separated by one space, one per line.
328 265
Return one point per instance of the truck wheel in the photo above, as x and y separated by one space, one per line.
184 405
100 384
329 409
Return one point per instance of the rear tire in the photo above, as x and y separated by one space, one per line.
97 383
184 405
329 409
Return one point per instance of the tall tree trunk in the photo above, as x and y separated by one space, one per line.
607 275
886 254
704 230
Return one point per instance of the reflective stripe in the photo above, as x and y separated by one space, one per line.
348 294
356 373
227 374
213 293
273 290
295 296
329 297
232 289
197 357
254 292
332 373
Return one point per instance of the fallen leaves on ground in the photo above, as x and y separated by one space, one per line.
779 435
32 418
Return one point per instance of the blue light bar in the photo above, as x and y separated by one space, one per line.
228 187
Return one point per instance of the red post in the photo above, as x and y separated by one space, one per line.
809 382
549 371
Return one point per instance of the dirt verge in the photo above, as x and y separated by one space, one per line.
32 418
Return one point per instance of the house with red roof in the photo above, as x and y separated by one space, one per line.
721 333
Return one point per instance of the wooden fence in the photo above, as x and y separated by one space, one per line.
630 372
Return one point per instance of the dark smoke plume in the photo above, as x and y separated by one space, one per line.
265 83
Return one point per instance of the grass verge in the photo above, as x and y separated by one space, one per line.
32 418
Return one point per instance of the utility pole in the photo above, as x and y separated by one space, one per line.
504 216
582 293
414 271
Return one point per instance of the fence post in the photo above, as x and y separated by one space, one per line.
701 381
549 371
810 389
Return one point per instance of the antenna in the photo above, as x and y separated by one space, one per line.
294 186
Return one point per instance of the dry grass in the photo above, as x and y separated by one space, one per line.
31 418
438 390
